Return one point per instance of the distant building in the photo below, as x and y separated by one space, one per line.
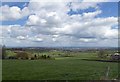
115 56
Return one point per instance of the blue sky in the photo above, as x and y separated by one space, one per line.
108 9
21 5
57 24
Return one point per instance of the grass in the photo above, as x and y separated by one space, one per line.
62 68
10 53
0 70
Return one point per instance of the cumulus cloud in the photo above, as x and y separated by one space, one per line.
36 39
83 5
50 24
87 40
20 37
12 13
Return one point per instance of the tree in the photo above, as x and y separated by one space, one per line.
35 56
23 55
101 54
3 52
48 56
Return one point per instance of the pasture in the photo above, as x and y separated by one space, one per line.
61 68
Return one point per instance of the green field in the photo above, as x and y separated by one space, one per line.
62 68
0 70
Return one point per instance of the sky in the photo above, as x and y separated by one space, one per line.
59 24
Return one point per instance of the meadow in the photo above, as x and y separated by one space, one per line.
60 68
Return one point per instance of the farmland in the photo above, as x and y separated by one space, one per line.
60 67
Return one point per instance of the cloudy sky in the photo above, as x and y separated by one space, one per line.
52 24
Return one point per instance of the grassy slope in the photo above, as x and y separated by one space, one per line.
0 70
59 69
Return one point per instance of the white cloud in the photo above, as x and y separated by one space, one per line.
21 37
33 20
88 40
83 5
89 28
12 13
36 39
95 0
112 33
91 14
74 0
49 24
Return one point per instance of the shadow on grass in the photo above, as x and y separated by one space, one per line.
115 61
